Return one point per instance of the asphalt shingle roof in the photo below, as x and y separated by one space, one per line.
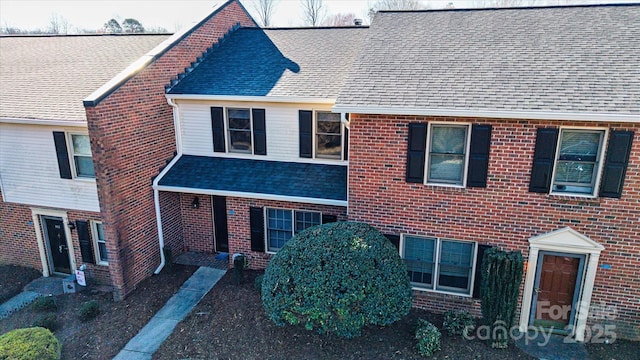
314 181
306 62
47 77
554 59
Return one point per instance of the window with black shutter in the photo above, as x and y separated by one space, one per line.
417 144
217 126
86 248
259 132
615 165
256 222
305 132
479 155
62 153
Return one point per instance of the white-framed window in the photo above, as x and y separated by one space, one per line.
447 153
99 243
239 132
328 135
578 161
80 152
442 265
282 224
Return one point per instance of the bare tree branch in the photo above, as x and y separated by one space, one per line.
265 9
314 11
394 5
340 20
58 24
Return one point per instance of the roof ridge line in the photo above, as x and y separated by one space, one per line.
514 8
201 58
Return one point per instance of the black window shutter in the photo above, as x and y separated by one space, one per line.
543 159
217 126
479 155
259 132
345 149
478 277
305 120
86 247
326 218
615 165
395 240
60 140
416 152
256 222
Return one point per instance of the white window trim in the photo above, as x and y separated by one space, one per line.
96 248
315 136
465 166
227 138
293 223
600 162
72 162
436 272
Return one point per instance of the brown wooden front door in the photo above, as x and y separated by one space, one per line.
555 292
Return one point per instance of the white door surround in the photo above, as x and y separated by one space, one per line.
36 213
564 240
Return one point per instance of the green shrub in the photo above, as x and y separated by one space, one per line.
89 310
45 303
47 321
428 337
500 288
337 278
258 282
458 322
28 344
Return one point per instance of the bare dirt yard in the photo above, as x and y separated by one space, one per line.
229 323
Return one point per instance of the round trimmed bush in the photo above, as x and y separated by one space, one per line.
337 278
30 343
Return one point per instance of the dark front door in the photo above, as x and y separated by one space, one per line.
57 241
556 290
220 223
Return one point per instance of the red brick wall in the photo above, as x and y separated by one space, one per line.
198 223
19 242
132 136
172 222
240 231
505 213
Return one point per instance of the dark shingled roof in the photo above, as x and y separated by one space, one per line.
47 77
314 181
547 59
307 62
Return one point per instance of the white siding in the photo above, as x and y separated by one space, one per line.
281 124
29 170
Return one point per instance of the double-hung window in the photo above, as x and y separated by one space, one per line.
282 224
239 130
328 135
439 264
81 153
99 243
447 157
577 162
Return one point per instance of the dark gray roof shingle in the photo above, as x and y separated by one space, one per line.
307 62
47 77
554 59
313 181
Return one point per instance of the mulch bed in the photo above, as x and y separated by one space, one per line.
14 279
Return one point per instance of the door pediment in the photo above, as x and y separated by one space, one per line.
566 239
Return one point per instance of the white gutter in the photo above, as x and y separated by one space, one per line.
503 114
176 124
249 195
274 99
51 122
156 201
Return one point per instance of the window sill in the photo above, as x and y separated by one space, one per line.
84 179
417 288
102 263
574 199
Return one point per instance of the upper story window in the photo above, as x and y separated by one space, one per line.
448 144
81 153
99 244
73 152
439 264
239 130
322 135
578 160
282 224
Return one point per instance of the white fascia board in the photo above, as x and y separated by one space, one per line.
273 99
248 195
49 122
502 114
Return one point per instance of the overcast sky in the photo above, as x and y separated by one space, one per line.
174 15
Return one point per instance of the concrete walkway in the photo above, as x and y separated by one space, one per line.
551 347
148 340
39 287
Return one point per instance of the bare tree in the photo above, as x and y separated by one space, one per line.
58 24
314 11
394 5
112 26
132 26
340 20
265 9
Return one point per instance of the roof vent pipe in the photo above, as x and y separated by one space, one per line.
357 22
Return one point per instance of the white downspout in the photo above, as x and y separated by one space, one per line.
156 192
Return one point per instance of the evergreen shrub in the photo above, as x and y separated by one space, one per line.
29 344
457 322
428 337
89 310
